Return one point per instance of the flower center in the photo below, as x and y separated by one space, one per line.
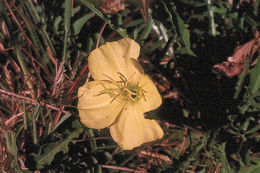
122 89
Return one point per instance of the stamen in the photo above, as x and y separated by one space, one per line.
115 83
122 89
133 99
114 98
102 92
143 95
121 75
109 77
122 81
102 85
132 75
131 92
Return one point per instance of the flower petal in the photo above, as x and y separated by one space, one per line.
152 98
95 109
113 58
126 47
131 129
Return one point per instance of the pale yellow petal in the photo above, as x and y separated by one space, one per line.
113 58
131 129
95 109
126 47
152 98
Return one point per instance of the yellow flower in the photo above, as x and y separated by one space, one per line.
120 95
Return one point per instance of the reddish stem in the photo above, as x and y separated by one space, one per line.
85 67
77 81
100 34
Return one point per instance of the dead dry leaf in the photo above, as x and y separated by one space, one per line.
112 6
235 64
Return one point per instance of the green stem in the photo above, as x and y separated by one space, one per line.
25 71
211 18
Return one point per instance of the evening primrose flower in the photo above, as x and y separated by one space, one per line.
119 95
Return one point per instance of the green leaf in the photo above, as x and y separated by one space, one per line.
253 102
51 149
75 10
145 33
256 8
89 45
92 7
180 33
65 117
246 123
37 18
253 130
252 20
255 77
219 10
98 169
135 23
253 168
220 153
11 144
56 23
241 80
78 24
25 116
183 33
193 3
182 166
67 15
10 139
35 114
137 31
